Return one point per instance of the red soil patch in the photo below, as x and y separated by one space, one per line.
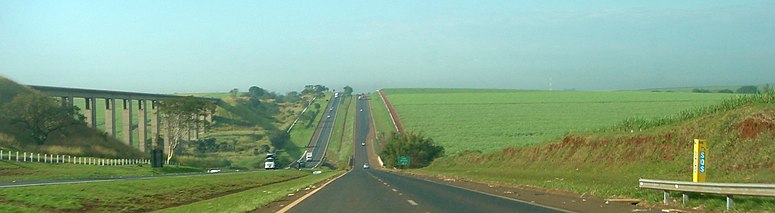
752 126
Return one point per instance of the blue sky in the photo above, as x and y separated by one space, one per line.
210 46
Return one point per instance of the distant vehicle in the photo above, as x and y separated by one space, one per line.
269 161
365 165
309 156
363 143
332 109
336 95
329 116
361 110
211 171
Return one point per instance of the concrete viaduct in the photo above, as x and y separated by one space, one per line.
90 97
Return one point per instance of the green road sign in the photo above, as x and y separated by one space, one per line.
403 160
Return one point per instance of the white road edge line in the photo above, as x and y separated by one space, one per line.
294 203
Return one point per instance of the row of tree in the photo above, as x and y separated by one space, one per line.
742 90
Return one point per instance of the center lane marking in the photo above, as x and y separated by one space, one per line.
412 202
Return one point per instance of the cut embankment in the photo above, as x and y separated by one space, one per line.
609 163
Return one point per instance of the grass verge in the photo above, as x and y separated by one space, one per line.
254 198
21 171
138 195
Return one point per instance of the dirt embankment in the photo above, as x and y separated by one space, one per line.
751 127
393 114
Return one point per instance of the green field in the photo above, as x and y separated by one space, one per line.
489 120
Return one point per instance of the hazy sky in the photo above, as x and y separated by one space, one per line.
205 46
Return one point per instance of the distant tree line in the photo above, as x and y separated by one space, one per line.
742 90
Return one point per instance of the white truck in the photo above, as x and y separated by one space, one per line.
269 161
309 156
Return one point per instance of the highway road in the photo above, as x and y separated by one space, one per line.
372 190
323 134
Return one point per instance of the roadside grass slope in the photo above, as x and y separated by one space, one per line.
75 140
138 195
242 130
609 162
490 120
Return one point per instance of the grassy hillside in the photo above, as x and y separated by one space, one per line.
490 120
242 131
74 140
609 162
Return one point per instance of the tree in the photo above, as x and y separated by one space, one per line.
41 115
420 149
256 92
348 91
234 93
179 115
748 90
726 91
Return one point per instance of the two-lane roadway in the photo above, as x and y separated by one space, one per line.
323 134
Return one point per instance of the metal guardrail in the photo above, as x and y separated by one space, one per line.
728 189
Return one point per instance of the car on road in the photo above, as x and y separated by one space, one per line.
363 143
212 171
361 110
365 165
329 116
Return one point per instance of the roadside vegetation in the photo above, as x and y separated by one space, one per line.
152 194
256 198
607 162
248 125
421 150
31 121
383 126
11 171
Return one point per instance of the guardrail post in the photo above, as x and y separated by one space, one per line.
17 156
25 157
730 202
684 198
666 197
38 157
1 154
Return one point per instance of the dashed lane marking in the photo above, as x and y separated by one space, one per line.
412 202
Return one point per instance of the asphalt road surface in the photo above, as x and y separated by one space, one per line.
371 190
323 134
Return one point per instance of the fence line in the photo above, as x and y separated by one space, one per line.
68 159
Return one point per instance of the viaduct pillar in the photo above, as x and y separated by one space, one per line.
110 114
127 122
142 121
154 124
90 112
